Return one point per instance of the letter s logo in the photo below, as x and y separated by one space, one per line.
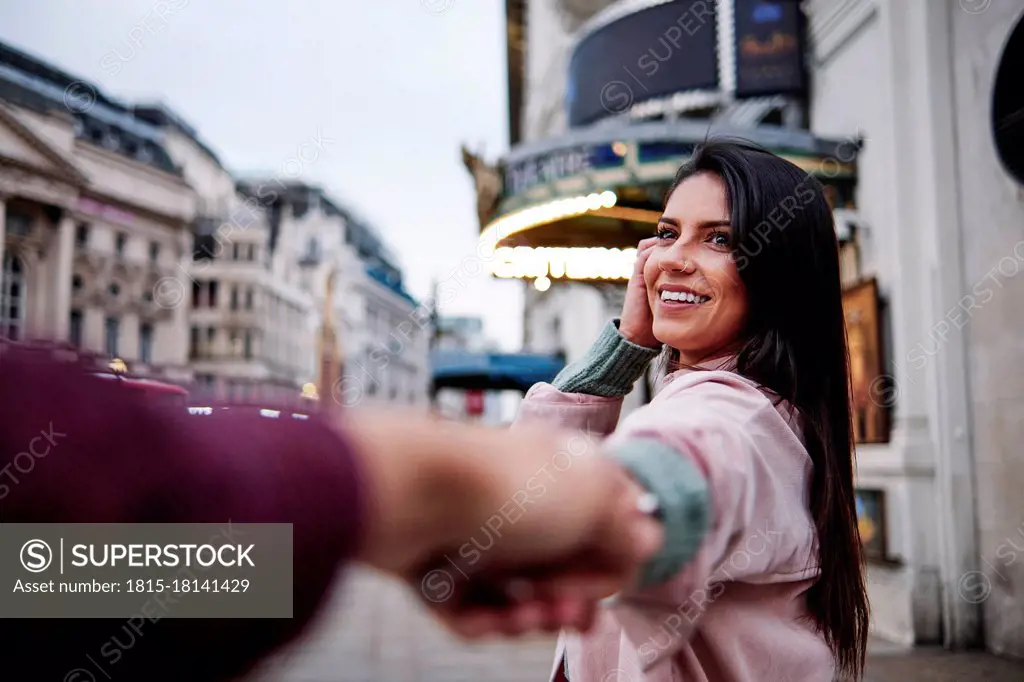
36 556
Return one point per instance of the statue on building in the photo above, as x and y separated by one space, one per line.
487 181
330 369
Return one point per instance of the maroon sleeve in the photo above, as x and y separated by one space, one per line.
75 448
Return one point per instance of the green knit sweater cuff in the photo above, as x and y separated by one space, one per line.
610 367
684 502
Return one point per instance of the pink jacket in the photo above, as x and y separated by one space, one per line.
737 612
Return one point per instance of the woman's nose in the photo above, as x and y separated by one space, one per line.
676 259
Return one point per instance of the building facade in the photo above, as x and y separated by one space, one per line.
941 215
381 342
122 233
94 223
904 110
250 337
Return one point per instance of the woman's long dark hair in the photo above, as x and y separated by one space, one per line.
784 246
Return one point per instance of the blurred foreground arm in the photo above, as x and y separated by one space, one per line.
393 491
77 449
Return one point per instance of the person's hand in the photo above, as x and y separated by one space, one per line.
637 320
463 513
544 558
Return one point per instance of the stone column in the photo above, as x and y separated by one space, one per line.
37 290
931 414
63 256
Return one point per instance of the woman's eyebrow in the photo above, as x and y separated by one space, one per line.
706 225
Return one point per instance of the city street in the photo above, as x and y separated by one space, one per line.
354 262
375 630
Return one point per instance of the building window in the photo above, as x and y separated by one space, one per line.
82 235
119 243
211 336
75 328
19 224
252 252
154 253
248 299
194 350
313 249
235 250
12 298
146 343
197 290
114 290
111 140
76 283
113 329
248 344
213 293
234 297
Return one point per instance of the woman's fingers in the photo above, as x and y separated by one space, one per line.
643 252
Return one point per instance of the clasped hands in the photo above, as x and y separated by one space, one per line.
500 532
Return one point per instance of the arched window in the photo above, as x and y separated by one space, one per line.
1008 105
13 298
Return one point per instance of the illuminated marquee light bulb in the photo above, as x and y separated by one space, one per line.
503 263
556 262
521 256
527 218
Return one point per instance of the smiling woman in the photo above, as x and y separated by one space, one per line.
751 431
692 258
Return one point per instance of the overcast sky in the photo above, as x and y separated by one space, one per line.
397 84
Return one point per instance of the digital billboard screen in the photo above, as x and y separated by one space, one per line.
769 48
668 48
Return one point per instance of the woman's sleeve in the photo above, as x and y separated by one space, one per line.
78 449
702 453
587 395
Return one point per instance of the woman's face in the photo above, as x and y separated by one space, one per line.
694 288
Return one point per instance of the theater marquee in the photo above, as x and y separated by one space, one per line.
575 207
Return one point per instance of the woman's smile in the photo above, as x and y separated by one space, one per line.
676 297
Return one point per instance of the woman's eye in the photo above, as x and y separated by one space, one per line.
664 233
719 238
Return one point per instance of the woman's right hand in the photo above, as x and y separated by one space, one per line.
637 321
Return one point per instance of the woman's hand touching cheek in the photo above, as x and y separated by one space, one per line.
637 322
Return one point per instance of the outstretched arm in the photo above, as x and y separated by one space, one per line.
392 490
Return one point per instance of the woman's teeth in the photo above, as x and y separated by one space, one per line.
683 297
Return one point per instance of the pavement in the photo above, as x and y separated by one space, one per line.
374 629
892 663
